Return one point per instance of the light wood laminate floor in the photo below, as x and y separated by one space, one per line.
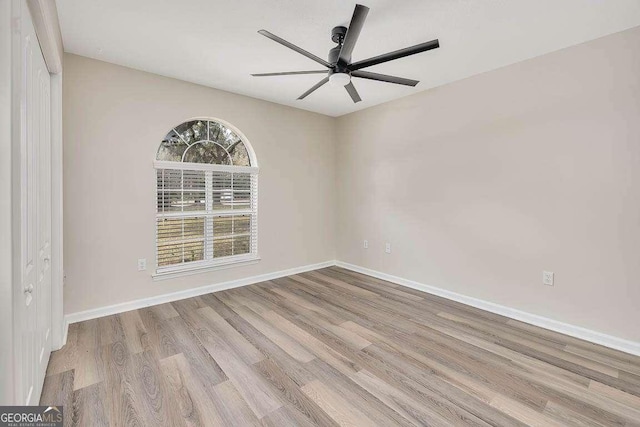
333 347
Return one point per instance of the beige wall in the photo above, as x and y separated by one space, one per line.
114 119
482 184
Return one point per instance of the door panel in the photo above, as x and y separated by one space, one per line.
33 304
43 284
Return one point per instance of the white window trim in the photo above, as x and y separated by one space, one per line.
197 267
162 164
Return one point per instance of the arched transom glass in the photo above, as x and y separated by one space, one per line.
204 141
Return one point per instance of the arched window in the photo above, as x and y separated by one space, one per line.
207 197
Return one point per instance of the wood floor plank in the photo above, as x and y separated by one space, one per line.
88 409
110 330
284 341
561 354
197 356
190 396
235 408
313 344
399 401
604 359
63 360
344 285
164 311
58 391
251 387
286 363
337 407
569 417
334 347
633 402
89 368
121 400
522 412
233 338
87 335
158 336
553 378
471 403
285 417
255 391
292 393
159 407
135 332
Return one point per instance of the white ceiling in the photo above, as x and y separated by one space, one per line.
215 42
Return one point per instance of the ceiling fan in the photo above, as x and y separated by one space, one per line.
340 69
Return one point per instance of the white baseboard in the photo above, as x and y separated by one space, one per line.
65 331
533 319
187 293
610 341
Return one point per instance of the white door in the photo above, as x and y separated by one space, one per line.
33 304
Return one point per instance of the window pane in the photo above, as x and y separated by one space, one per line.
193 131
242 224
171 148
221 181
223 247
232 245
232 224
177 229
241 181
170 179
221 134
222 226
241 200
239 154
222 195
194 251
169 201
193 180
180 240
207 152
242 245
193 201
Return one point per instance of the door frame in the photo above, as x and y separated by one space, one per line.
45 19
38 11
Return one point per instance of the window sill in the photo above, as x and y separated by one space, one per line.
187 270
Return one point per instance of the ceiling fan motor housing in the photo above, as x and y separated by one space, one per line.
338 33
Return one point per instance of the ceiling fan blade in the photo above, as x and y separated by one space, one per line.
384 78
401 53
353 32
289 73
316 86
353 92
294 47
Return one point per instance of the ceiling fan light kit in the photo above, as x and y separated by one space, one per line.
340 69
339 79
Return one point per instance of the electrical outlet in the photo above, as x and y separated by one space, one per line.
547 278
387 248
142 264
365 244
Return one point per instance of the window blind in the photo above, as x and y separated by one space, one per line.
205 217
